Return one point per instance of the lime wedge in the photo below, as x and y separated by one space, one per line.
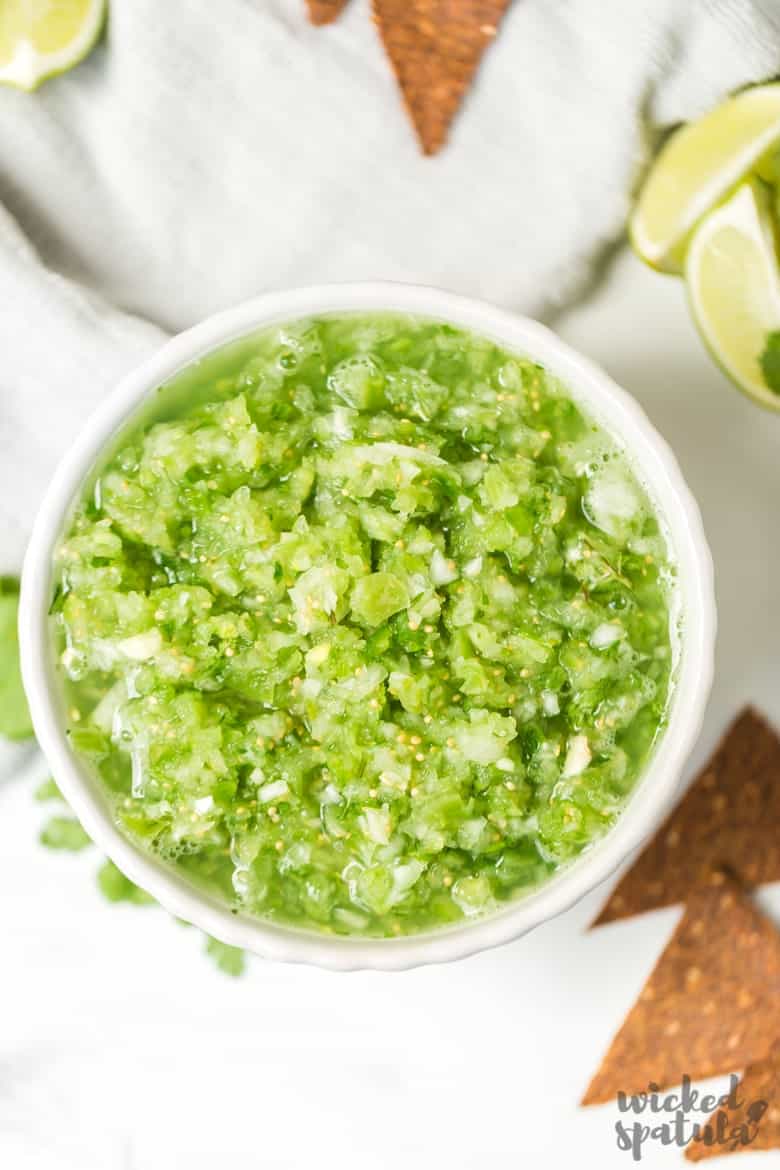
697 168
39 38
733 283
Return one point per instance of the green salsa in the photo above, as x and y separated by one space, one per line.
365 625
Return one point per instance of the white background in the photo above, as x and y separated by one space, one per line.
121 1048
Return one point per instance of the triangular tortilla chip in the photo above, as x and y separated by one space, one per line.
325 11
754 1124
729 816
435 47
712 1003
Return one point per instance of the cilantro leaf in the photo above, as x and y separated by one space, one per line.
14 716
114 886
64 833
48 790
770 361
230 960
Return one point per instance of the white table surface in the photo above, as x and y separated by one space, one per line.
121 1047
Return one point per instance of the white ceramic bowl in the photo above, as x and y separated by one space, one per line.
653 463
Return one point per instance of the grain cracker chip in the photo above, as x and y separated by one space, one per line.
435 47
711 1004
325 11
755 1122
729 816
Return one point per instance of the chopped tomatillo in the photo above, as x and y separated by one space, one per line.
365 624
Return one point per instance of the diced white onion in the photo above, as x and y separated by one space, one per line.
611 501
404 877
342 423
550 704
605 634
442 570
275 790
376 825
318 654
578 756
141 646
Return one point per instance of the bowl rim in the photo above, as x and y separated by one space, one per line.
651 459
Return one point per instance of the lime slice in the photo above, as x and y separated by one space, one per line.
39 38
734 287
697 168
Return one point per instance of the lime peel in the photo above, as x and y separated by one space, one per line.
41 40
770 361
734 287
698 167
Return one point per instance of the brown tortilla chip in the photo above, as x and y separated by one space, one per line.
325 11
435 47
755 1123
729 816
711 1004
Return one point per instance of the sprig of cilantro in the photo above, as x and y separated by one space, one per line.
63 831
